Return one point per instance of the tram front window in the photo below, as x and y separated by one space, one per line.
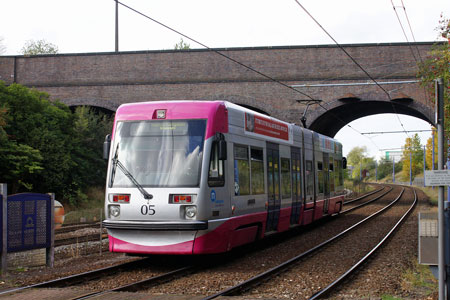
159 153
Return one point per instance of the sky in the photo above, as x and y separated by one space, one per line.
88 26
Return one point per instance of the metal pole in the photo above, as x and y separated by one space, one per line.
424 163
410 165
432 152
376 171
447 165
441 240
393 169
50 251
4 254
360 170
117 26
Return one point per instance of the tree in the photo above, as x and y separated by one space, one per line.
429 149
436 65
45 126
384 168
39 47
181 45
412 155
357 157
47 148
91 127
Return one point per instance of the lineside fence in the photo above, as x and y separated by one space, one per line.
27 222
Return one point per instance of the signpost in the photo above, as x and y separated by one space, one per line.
437 178
441 178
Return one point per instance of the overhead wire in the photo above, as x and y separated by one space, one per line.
407 40
403 29
349 126
355 62
215 51
265 75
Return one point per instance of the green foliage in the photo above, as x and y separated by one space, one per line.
47 148
389 297
182 45
357 157
429 150
90 131
420 278
39 47
385 168
436 65
412 151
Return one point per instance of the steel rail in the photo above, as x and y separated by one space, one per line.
328 288
366 203
74 227
364 196
247 284
132 287
77 278
80 239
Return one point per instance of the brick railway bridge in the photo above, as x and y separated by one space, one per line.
324 72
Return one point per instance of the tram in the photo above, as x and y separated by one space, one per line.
200 177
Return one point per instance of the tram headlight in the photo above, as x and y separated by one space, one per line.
114 211
190 212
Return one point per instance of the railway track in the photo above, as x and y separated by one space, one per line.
364 196
74 227
79 239
74 279
261 278
184 272
78 280
370 198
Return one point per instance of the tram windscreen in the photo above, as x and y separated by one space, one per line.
161 153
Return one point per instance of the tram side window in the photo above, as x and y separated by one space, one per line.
257 171
336 174
296 184
216 174
285 178
320 177
331 177
341 175
309 179
241 171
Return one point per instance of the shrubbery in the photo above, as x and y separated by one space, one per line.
44 147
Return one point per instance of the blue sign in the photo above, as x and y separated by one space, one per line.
28 221
213 196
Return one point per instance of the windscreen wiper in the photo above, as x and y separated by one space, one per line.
117 163
132 179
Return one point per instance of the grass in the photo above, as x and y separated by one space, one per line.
90 211
389 297
432 194
420 278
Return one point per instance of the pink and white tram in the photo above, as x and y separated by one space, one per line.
197 177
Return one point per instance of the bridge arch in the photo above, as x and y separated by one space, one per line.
100 104
329 121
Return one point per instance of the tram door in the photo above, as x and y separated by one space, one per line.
326 181
273 184
296 186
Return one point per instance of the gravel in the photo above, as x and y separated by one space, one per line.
384 274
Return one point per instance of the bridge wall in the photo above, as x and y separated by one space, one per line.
109 79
